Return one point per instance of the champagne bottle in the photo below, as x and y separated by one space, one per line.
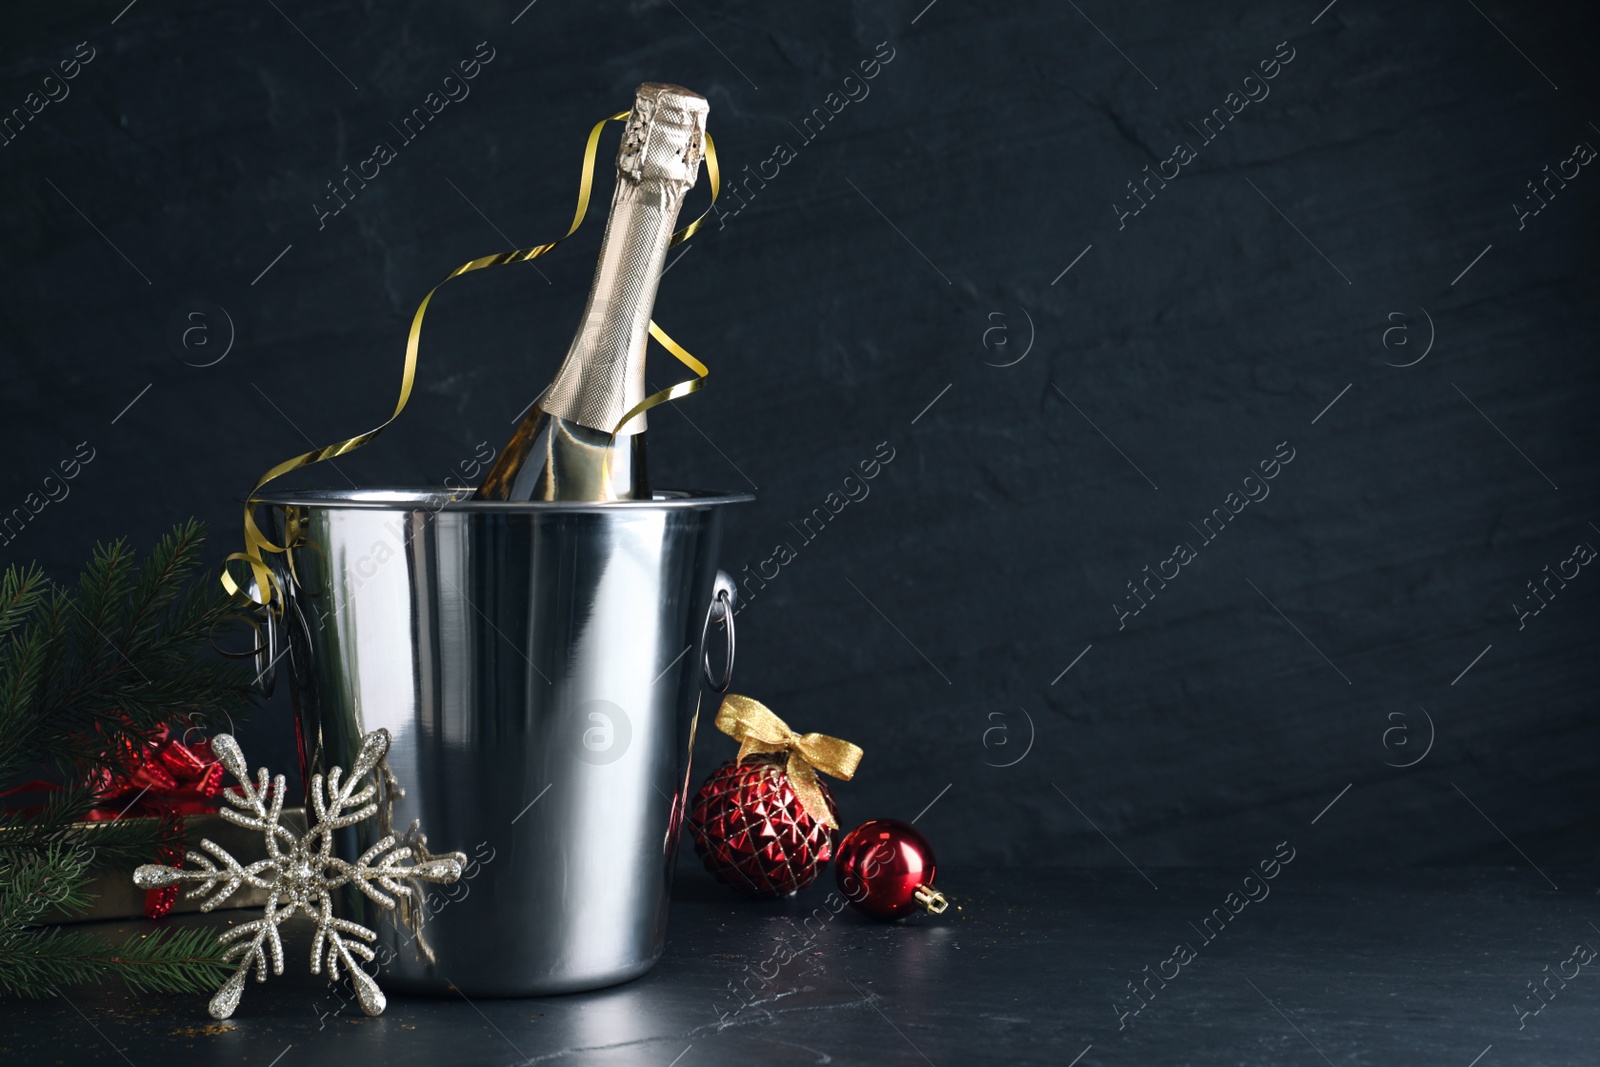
564 448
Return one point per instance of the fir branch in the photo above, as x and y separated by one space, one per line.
111 666
117 844
102 594
30 885
39 963
86 677
161 579
20 591
23 663
52 822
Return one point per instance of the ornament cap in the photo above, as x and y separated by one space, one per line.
932 901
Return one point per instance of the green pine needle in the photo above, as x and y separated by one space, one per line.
31 884
85 676
37 963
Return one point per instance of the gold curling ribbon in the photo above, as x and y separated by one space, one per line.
695 384
758 729
256 542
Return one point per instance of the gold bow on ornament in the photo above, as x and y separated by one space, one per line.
757 729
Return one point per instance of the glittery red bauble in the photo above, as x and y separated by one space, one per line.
751 832
885 870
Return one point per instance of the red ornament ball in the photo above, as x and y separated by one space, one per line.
751 831
885 870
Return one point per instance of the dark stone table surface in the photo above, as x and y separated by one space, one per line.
1409 966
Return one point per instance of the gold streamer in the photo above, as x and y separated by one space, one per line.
758 729
695 384
256 542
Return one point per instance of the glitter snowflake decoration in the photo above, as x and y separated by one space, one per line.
300 873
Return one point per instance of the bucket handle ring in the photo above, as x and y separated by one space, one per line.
270 644
721 610
274 645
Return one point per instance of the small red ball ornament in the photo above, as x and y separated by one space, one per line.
752 832
885 870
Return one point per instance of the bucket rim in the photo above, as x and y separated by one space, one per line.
431 498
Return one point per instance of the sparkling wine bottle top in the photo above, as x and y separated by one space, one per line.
570 445
602 376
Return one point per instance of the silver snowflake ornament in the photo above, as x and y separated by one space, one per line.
300 872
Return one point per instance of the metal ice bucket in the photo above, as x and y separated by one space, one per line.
538 666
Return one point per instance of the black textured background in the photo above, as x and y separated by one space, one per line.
877 274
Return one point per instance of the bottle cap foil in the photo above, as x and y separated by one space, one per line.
664 139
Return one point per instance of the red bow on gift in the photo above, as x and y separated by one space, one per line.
167 779
161 777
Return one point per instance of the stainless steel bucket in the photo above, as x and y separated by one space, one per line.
538 666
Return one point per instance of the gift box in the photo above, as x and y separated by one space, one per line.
176 786
116 897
